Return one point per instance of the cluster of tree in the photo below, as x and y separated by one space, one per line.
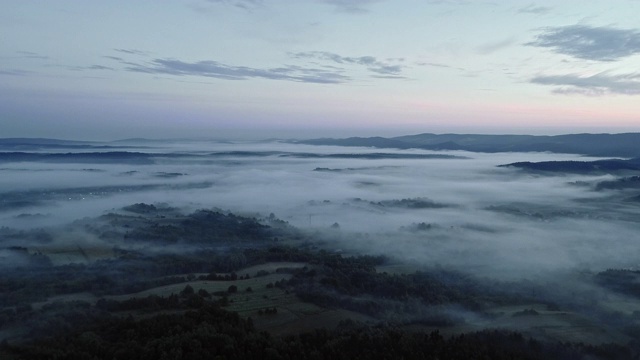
415 203
65 316
418 227
141 208
277 254
631 182
624 281
187 299
56 317
268 311
203 226
337 276
110 157
211 332
31 236
219 277
579 167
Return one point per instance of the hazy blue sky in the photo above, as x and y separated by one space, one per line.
213 68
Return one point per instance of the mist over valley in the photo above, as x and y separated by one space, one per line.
537 246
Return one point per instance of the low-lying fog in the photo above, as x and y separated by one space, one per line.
461 211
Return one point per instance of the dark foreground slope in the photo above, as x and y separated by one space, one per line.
211 332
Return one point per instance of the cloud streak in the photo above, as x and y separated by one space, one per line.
14 72
242 4
390 67
590 43
32 55
214 69
533 9
492 47
344 6
132 52
317 67
351 6
595 85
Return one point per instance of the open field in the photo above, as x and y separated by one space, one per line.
73 253
292 316
208 285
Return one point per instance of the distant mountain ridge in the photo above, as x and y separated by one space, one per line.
624 144
35 144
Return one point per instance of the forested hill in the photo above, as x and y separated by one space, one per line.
609 166
625 145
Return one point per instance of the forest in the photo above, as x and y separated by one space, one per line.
119 307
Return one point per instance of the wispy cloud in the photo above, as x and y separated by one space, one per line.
346 6
590 43
214 69
351 6
392 67
317 67
492 47
116 58
534 9
242 4
595 85
99 67
14 72
31 55
133 52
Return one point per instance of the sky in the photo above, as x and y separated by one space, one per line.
105 70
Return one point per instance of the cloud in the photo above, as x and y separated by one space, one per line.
590 43
313 67
242 4
14 72
351 6
32 55
492 47
132 52
345 6
390 67
449 2
598 84
533 9
90 67
214 69
434 64
99 67
116 58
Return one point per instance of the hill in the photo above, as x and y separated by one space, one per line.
624 145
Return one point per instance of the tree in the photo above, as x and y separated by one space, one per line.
188 290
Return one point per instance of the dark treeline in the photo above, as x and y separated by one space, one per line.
211 332
579 167
353 283
203 226
623 281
